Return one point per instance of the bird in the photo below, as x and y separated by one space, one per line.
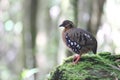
77 40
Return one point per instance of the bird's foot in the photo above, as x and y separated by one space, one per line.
76 58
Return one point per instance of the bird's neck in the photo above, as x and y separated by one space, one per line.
67 28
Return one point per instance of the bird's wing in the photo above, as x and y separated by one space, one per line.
77 38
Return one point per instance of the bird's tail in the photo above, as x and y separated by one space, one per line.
95 48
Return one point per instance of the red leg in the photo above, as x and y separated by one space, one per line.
76 59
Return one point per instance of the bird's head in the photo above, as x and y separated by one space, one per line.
67 24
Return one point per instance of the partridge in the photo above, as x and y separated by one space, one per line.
78 40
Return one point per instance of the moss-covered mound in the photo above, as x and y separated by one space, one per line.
103 66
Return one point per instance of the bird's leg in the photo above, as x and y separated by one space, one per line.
76 58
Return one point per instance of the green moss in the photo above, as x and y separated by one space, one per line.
103 66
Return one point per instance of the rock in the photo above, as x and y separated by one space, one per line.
102 66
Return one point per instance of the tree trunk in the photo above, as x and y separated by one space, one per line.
89 15
29 34
95 13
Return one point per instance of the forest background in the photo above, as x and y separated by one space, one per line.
30 39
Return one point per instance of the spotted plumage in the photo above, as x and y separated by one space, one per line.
78 40
72 44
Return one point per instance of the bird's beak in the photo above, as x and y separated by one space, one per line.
61 25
